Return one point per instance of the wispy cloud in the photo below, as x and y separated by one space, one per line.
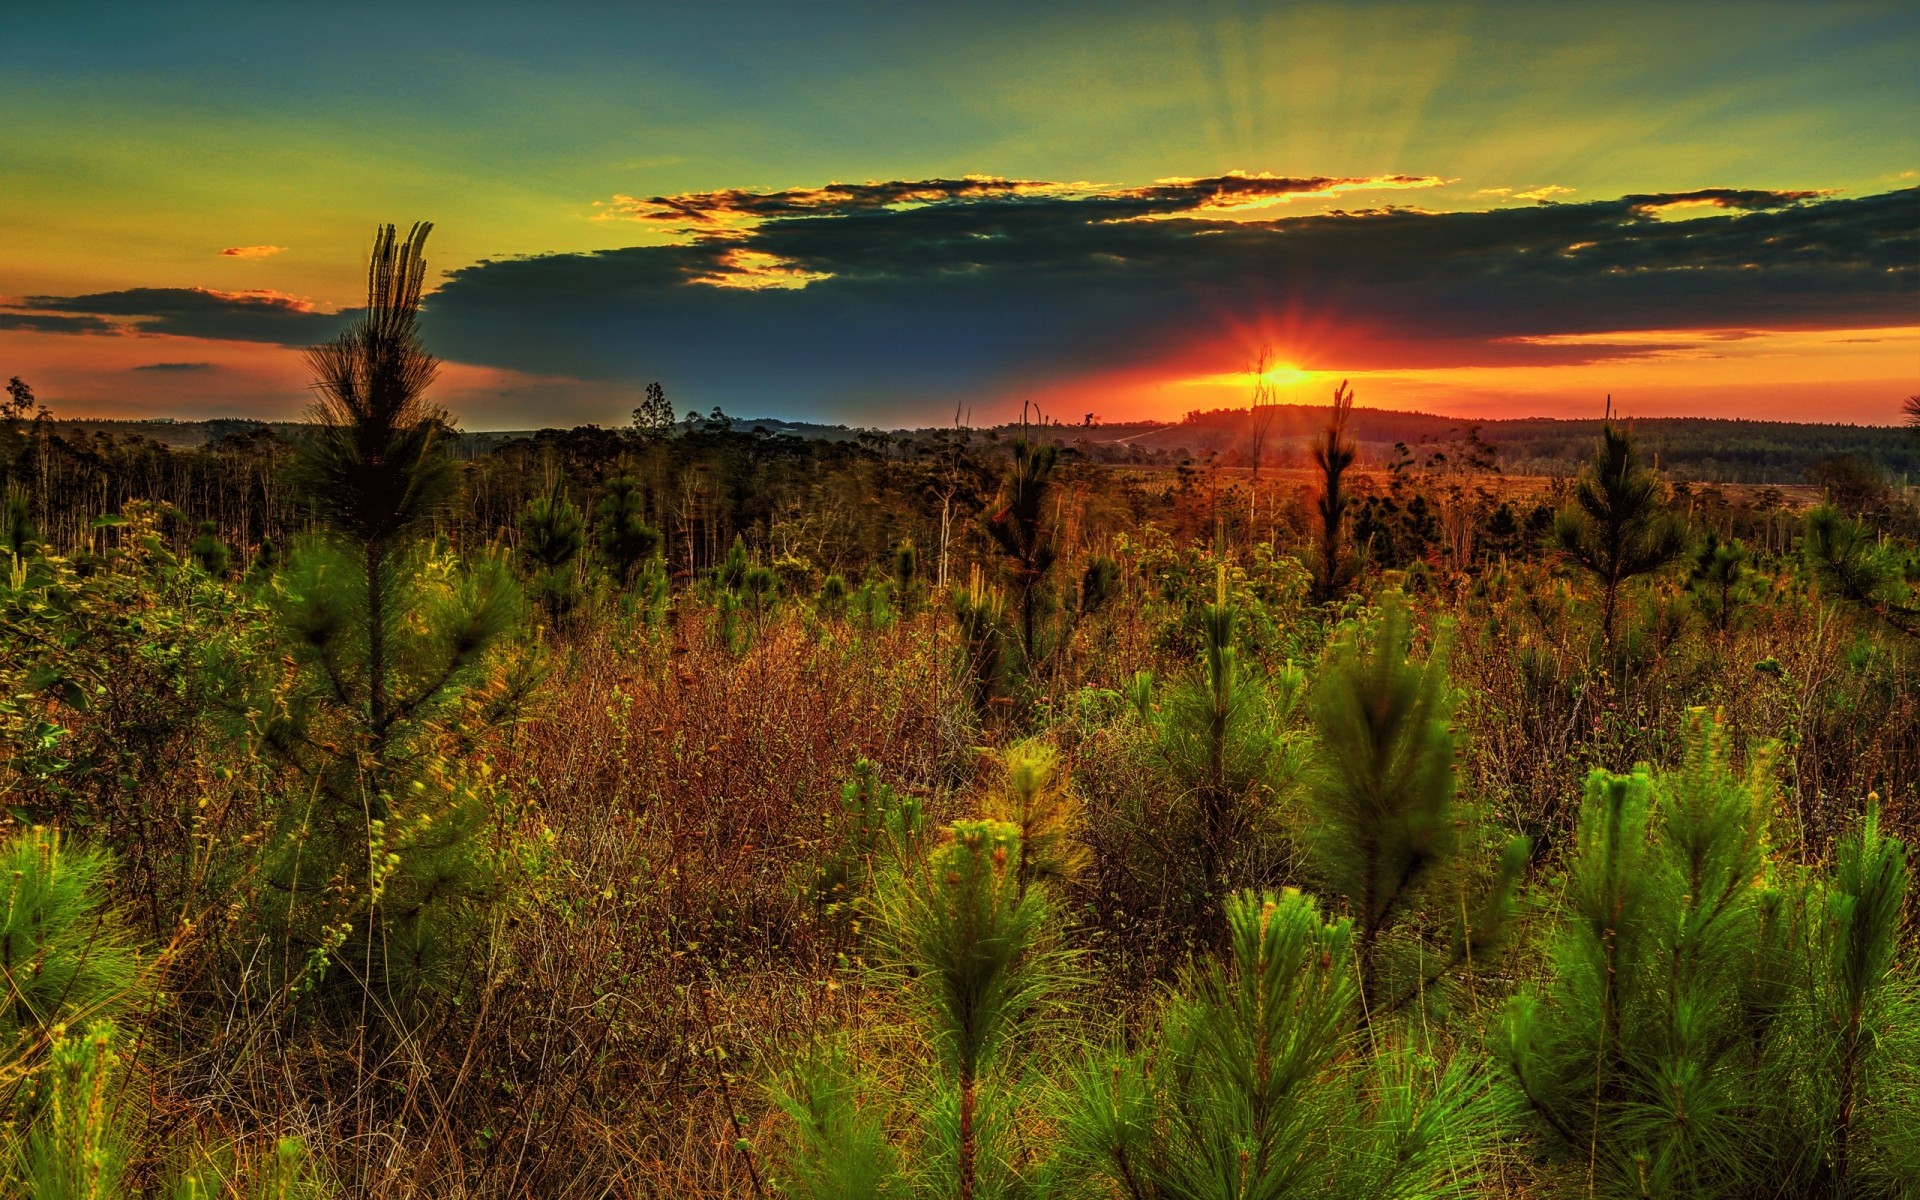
252 251
719 214
182 367
1546 192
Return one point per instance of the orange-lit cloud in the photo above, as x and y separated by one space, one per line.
252 251
1547 192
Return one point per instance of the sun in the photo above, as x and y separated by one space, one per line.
1285 374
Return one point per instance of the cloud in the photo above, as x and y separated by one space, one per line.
55 323
946 299
246 316
252 251
896 299
723 214
175 367
1547 192
1737 199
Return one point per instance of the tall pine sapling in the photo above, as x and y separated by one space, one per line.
1860 569
1254 1083
1333 453
398 668
1618 527
1026 537
552 535
1382 820
621 532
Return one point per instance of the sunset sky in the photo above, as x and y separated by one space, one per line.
874 213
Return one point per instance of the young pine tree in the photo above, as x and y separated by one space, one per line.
1034 796
209 551
1220 735
625 539
1382 822
1255 1083
399 668
1021 529
963 945
1714 1026
1860 569
906 578
551 538
1718 570
1333 453
1618 528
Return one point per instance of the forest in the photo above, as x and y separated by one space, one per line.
683 809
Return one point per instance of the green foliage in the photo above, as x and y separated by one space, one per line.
65 956
77 1147
1860 569
1618 527
1381 823
1719 569
1220 735
209 551
552 535
1021 529
1254 1083
1713 1028
625 539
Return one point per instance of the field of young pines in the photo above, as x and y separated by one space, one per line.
676 811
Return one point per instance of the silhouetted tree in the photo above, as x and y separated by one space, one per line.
1333 454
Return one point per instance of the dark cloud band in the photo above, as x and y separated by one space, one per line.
861 296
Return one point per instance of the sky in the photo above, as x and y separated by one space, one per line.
891 214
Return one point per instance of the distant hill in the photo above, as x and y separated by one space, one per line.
1703 448
1713 449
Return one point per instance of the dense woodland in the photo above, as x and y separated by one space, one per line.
690 810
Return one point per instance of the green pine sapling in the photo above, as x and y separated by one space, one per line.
1382 820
